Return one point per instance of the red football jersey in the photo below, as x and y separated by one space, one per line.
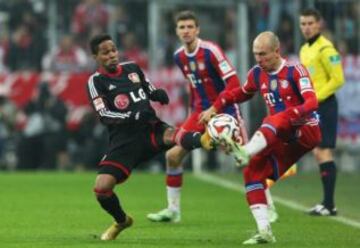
281 89
289 86
207 69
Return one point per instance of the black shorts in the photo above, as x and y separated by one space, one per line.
328 111
120 161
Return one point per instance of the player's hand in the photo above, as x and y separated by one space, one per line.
159 95
294 117
292 113
206 115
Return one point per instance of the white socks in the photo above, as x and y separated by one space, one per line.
173 197
260 214
174 193
269 198
256 144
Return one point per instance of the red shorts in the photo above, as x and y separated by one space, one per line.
191 124
276 159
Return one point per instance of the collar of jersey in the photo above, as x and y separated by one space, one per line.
196 49
283 62
313 39
109 74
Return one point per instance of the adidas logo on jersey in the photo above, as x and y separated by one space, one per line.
111 87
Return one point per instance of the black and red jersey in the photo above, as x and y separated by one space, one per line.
121 100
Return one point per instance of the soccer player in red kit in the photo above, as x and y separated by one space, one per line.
209 73
289 131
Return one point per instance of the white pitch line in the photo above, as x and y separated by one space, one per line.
290 204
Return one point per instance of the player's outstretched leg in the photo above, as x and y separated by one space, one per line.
240 154
113 231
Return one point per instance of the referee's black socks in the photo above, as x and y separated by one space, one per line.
328 178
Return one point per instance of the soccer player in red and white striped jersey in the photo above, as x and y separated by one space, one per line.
290 130
209 73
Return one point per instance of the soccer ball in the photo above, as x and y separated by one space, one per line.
224 124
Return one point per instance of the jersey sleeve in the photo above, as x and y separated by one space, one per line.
145 81
251 86
236 95
222 65
331 61
97 97
307 92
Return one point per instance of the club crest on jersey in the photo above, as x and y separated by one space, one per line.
192 66
273 84
201 66
284 84
121 101
134 77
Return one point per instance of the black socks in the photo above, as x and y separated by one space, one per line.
328 178
111 205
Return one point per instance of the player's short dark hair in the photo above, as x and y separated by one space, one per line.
186 15
311 12
96 40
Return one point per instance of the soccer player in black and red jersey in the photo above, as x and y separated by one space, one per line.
121 94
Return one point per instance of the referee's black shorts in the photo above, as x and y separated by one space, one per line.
328 111
121 160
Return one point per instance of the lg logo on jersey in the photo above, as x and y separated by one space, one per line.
122 101
140 95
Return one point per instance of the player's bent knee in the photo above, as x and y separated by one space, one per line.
172 159
103 193
104 185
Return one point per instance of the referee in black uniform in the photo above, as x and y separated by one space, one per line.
121 95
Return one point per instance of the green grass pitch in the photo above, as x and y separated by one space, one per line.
47 209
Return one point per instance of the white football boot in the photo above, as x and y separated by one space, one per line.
261 237
241 156
165 215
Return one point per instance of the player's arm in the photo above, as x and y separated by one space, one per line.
98 101
237 94
155 94
224 68
305 87
331 61
227 97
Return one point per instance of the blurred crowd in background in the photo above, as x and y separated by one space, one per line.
45 119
